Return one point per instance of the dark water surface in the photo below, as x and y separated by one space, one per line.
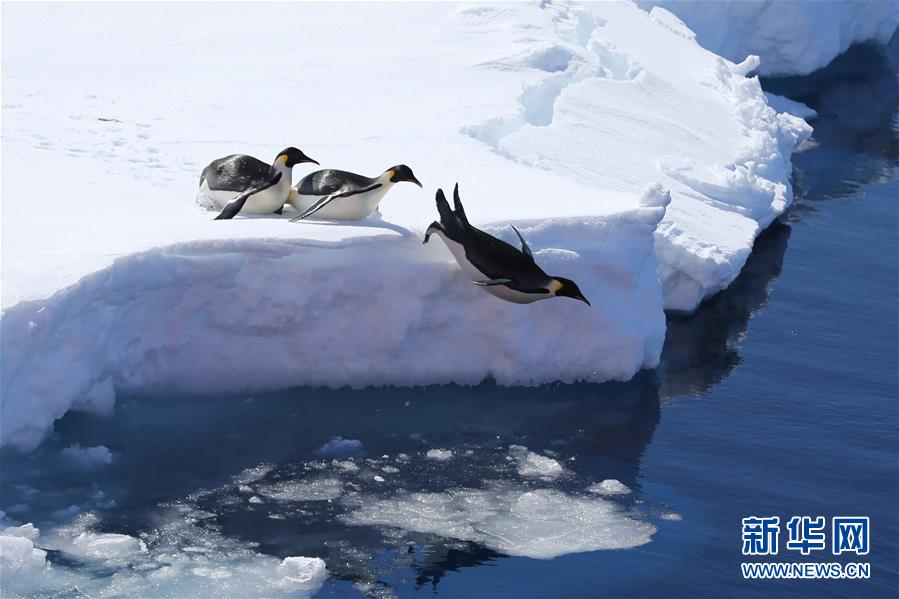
778 397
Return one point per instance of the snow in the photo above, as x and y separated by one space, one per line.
540 524
791 37
634 161
610 486
533 465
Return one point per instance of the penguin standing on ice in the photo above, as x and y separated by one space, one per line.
242 183
338 195
493 264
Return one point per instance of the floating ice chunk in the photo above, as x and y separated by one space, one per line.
378 479
671 516
112 546
88 457
26 531
610 486
17 553
793 38
253 474
338 446
534 465
540 524
319 489
301 574
215 573
441 455
345 465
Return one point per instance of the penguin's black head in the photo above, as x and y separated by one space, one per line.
569 288
292 156
401 172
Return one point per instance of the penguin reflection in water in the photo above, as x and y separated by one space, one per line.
493 264
241 183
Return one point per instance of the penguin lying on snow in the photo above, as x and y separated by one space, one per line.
242 183
338 195
495 265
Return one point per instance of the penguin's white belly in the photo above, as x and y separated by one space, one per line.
501 291
354 207
264 202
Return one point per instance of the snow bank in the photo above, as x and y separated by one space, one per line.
792 37
579 124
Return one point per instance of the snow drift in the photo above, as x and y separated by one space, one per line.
791 37
579 124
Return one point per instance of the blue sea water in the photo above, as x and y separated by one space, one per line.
778 397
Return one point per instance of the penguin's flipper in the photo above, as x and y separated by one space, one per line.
492 282
231 209
524 244
318 205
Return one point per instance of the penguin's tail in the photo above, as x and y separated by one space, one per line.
447 217
457 202
450 223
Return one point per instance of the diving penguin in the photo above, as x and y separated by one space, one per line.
493 264
242 183
338 195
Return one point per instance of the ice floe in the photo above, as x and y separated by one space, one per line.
541 523
792 38
633 160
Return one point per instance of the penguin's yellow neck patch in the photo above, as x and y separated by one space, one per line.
555 286
390 175
282 159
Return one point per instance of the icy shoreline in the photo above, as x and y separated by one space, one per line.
556 118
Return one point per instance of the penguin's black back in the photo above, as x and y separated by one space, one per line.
328 181
237 172
490 255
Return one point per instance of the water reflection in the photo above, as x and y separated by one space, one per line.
856 139
702 349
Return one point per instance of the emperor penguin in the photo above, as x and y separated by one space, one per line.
339 195
242 183
501 269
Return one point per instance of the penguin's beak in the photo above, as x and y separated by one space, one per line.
416 181
300 158
572 291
